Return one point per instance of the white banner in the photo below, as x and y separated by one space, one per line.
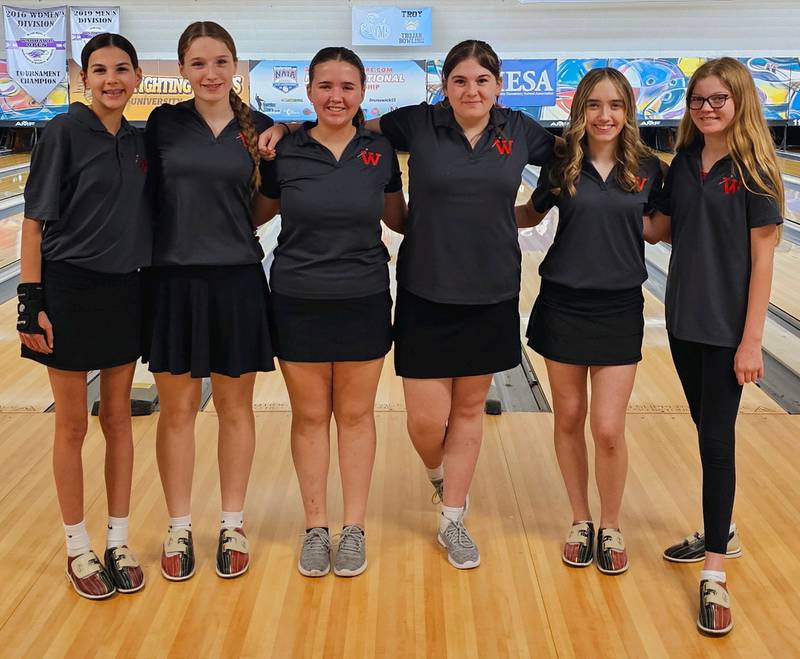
36 47
85 22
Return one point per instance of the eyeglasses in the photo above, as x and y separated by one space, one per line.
715 101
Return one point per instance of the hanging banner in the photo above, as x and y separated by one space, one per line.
85 22
528 83
161 83
392 26
36 45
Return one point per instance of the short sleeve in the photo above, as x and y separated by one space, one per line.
762 209
398 126
662 201
395 183
49 162
542 198
261 121
656 188
270 186
541 142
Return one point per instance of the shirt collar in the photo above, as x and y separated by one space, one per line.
85 116
303 138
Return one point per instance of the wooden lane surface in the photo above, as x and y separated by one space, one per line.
650 610
10 234
24 386
657 388
12 184
409 603
521 602
11 159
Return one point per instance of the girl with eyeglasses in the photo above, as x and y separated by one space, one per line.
722 204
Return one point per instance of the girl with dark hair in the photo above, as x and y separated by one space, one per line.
209 291
332 182
458 269
588 320
85 236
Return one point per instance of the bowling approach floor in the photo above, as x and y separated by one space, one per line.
522 601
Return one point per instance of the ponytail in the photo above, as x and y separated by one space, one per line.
249 136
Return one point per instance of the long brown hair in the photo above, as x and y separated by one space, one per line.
748 137
631 151
240 109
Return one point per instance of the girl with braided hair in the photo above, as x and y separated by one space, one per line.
209 294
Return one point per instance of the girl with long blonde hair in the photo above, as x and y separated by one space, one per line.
588 319
721 209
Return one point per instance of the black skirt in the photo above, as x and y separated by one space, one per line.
208 319
351 329
587 327
435 340
96 317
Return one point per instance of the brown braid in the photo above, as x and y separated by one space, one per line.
249 136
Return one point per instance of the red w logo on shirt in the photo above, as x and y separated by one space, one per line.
503 146
142 162
730 185
641 181
371 158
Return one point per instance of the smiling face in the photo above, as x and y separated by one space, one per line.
209 66
336 92
711 121
472 90
604 112
111 78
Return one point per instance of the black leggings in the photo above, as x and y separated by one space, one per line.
710 385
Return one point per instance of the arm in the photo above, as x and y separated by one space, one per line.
657 228
395 211
528 216
373 125
263 209
748 363
31 273
268 140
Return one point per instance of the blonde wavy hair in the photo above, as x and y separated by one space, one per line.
631 151
748 137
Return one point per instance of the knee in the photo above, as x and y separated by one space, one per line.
234 411
352 416
468 410
717 447
311 416
177 416
72 430
570 418
608 436
114 422
424 421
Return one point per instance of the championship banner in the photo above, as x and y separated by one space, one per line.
528 83
36 46
86 22
392 26
278 87
161 83
17 108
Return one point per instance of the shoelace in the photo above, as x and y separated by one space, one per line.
457 533
693 537
317 539
351 539
436 497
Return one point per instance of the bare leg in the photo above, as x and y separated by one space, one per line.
427 410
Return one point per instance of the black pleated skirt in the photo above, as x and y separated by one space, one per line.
435 340
96 317
587 327
208 319
313 330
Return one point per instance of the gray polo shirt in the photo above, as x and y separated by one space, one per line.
88 188
598 242
461 245
330 241
709 268
202 208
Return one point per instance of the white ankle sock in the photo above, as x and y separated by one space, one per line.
231 520
713 575
117 533
449 515
436 474
184 522
732 529
77 538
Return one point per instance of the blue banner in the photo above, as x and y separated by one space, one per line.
528 83
392 26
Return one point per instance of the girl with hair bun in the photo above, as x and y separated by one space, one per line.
209 291
85 236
